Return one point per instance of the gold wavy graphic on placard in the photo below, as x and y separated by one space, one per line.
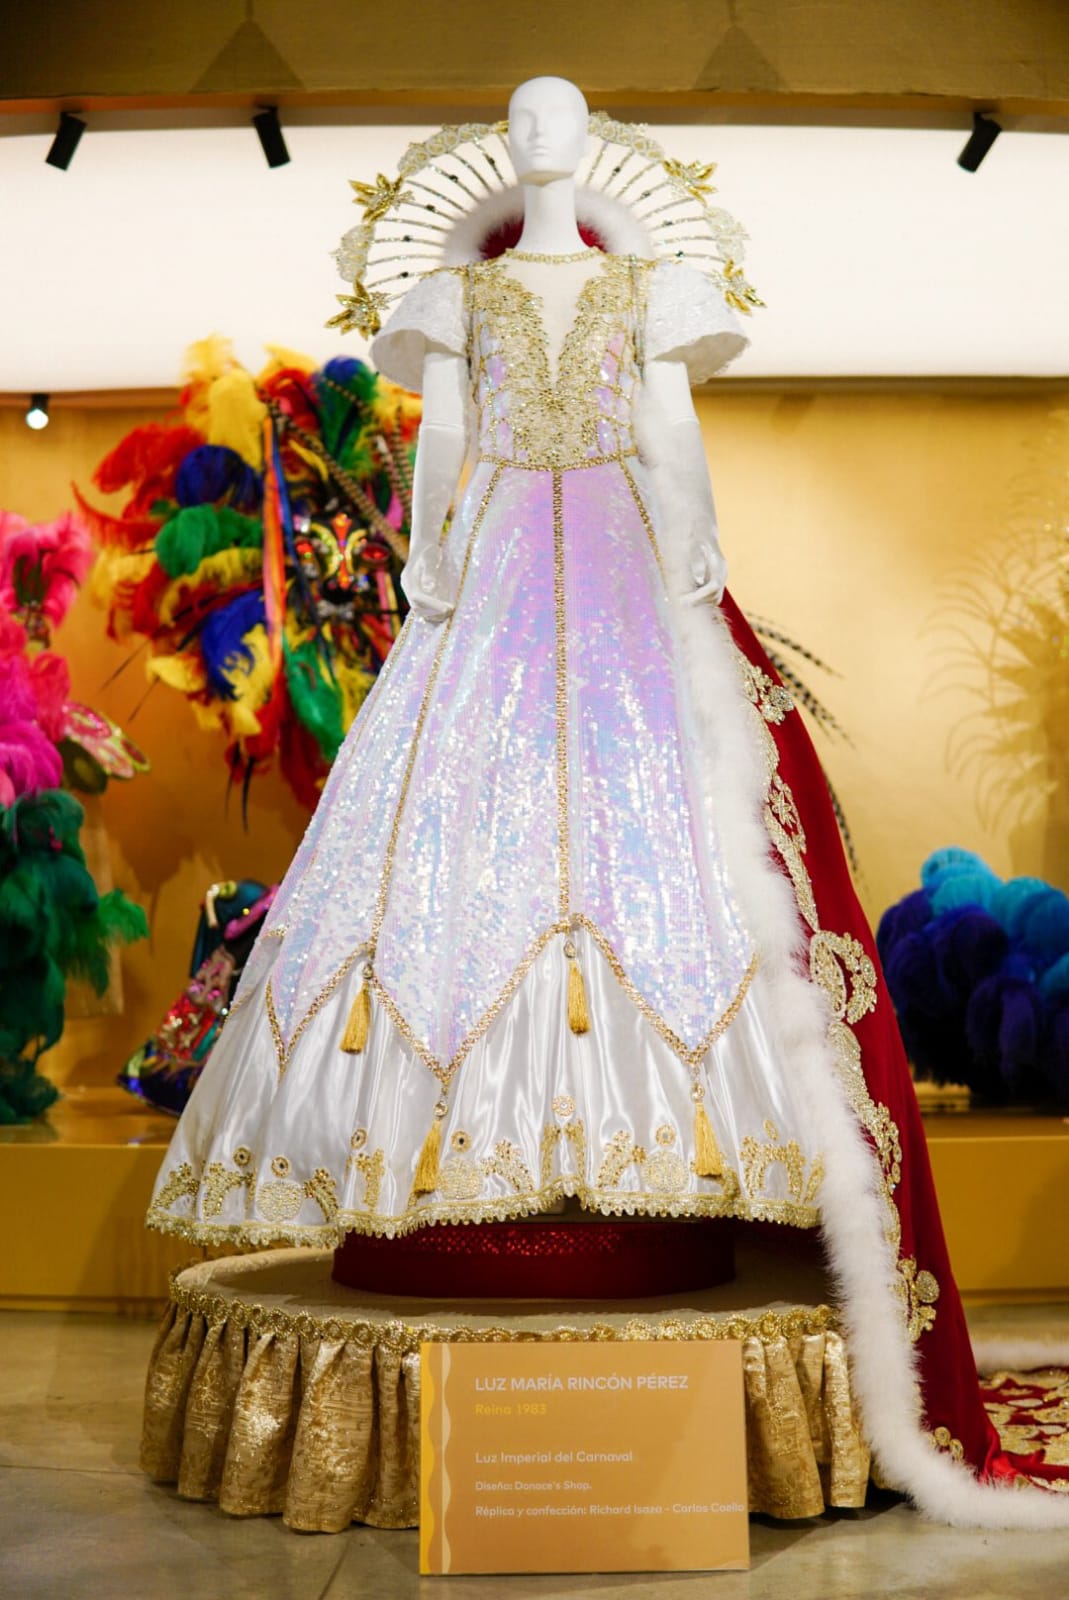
428 1395
447 1554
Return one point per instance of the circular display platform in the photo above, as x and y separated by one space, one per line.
274 1389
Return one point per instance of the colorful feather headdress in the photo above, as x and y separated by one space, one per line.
259 549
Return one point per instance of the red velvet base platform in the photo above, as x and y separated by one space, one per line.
593 1258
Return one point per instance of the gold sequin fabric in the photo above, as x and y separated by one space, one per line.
272 1390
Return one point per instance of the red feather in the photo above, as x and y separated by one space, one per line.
145 600
146 459
292 391
302 762
130 533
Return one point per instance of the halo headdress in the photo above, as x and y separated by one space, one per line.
455 200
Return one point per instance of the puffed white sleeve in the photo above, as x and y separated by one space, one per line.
688 320
432 316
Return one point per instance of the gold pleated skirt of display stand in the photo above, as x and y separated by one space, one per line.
272 1389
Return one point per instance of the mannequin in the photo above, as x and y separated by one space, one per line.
547 140
572 918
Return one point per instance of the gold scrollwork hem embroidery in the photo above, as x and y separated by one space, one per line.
257 1232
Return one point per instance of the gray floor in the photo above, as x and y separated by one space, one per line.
77 1518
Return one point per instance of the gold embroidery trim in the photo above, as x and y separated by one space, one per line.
284 1051
551 417
432 678
561 647
619 457
944 1441
405 1338
258 1233
647 523
690 1055
833 958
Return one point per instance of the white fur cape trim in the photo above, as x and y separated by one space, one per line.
862 1260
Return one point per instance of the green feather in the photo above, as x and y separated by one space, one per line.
317 702
31 1006
24 1094
198 531
346 424
39 822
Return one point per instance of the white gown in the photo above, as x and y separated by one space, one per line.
526 779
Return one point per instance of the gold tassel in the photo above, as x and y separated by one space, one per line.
354 1039
578 1012
426 1179
708 1162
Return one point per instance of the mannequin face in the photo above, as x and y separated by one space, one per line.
547 130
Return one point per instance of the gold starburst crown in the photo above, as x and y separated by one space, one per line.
454 198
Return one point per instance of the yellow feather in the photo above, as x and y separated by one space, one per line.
185 672
391 401
355 683
309 457
236 416
206 360
252 685
282 357
227 569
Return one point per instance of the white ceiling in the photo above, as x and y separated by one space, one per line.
874 252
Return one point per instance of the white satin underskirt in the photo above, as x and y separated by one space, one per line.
535 1113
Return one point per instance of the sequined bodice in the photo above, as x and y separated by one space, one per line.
581 412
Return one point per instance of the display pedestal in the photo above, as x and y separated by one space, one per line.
577 1255
272 1388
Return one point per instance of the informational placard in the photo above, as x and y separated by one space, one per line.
583 1457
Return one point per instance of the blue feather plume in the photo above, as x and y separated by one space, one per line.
978 972
222 640
213 472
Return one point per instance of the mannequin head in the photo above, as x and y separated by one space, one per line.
547 130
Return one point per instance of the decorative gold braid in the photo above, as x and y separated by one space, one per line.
690 1055
617 458
647 523
560 614
390 455
446 627
405 1338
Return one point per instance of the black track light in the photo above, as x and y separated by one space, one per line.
37 412
985 130
269 133
61 150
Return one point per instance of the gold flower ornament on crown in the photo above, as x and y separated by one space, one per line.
454 201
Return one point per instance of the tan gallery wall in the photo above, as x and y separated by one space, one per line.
843 515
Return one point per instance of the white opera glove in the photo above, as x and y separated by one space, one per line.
430 579
708 572
671 444
429 583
